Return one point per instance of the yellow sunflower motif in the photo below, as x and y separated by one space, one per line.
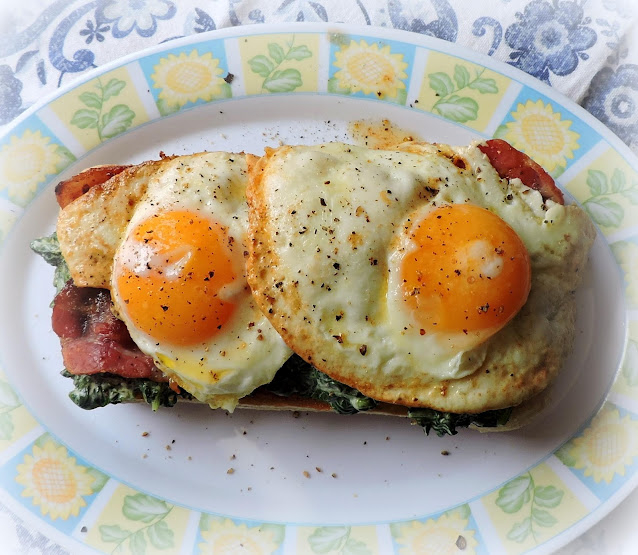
447 534
224 537
25 162
543 134
188 78
372 70
607 446
627 255
54 480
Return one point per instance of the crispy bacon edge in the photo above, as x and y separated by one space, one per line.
95 341
510 163
68 190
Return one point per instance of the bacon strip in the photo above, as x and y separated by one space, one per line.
70 189
511 164
93 339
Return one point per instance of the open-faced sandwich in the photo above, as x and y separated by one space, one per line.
428 281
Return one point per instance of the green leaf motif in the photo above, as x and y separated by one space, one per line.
548 496
605 211
463 511
138 543
461 76
513 495
355 547
630 365
543 518
333 87
458 108
300 52
112 88
225 91
160 535
43 440
597 182
113 533
283 81
618 181
261 65
329 538
396 529
117 121
565 456
65 157
8 398
278 531
276 52
441 83
631 195
143 507
400 98
166 108
520 531
91 99
558 171
99 479
85 119
484 86
501 132
6 426
205 522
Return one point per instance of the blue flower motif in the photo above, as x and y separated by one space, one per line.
141 15
94 31
10 100
413 17
549 37
256 16
205 22
613 99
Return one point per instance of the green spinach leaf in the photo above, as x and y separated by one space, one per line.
49 249
447 422
90 392
296 376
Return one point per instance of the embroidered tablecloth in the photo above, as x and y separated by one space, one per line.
586 49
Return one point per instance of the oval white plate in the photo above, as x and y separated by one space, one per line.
97 478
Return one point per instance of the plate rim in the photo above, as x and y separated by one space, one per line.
418 39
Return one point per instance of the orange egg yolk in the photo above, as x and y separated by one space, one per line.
466 272
175 276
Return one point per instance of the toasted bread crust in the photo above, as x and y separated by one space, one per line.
266 401
87 265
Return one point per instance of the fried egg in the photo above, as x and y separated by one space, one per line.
177 273
412 279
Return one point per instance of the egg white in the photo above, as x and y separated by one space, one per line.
331 225
248 352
